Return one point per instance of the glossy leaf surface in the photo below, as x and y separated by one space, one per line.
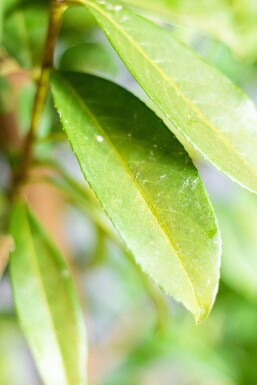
195 100
46 302
147 184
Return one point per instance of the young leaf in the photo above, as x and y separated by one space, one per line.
194 99
147 184
46 303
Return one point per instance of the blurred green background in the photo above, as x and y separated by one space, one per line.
137 335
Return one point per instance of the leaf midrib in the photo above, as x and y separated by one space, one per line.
122 160
197 111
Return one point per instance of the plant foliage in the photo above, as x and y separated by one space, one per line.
139 158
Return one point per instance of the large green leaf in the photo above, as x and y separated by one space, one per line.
46 302
146 183
233 23
195 100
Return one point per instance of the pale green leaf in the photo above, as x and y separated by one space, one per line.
195 100
214 18
46 302
147 184
233 23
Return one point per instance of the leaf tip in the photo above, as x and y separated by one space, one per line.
202 315
205 308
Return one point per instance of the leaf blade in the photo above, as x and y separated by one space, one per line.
126 154
193 99
46 303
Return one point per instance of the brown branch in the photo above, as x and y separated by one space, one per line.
56 10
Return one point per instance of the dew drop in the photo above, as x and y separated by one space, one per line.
99 138
117 7
194 184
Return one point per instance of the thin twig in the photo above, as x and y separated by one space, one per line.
56 10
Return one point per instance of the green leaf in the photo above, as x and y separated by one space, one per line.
24 33
233 23
195 100
197 15
89 57
6 100
46 302
1 19
146 183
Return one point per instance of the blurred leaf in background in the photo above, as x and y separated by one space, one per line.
24 31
